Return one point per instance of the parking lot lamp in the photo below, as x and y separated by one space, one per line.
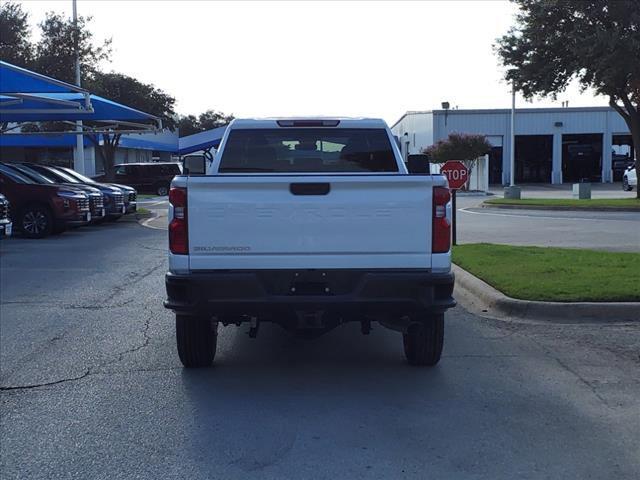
78 161
512 191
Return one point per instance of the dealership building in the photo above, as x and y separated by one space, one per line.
552 145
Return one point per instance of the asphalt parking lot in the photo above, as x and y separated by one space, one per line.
92 386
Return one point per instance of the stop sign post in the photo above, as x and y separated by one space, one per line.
458 175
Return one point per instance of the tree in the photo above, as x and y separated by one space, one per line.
15 42
132 93
212 119
55 52
459 146
594 42
188 125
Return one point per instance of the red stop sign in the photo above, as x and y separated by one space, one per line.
456 173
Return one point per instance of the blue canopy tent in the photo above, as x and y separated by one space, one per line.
27 96
19 86
15 79
202 141
66 107
165 141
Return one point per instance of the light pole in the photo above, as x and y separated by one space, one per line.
78 160
512 191
512 156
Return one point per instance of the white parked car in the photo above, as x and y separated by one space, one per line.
630 179
309 224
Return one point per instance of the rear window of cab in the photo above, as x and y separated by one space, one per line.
308 150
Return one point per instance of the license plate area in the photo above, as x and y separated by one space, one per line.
310 288
309 282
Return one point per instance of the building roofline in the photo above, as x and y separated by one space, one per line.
473 111
410 112
502 111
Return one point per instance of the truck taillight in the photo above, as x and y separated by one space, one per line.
441 222
178 227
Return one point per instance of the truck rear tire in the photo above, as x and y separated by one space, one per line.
424 340
197 339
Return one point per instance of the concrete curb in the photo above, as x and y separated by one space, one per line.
462 193
146 222
480 297
562 209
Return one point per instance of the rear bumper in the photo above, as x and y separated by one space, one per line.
357 293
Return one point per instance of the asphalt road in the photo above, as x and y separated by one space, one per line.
615 231
92 386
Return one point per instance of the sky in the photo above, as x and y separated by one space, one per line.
362 58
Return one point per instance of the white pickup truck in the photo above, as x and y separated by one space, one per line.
309 223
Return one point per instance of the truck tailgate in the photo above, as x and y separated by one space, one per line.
262 222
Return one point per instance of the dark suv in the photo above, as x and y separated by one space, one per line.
39 210
148 177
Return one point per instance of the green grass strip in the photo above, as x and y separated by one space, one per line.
553 274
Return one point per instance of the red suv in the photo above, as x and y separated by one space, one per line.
39 210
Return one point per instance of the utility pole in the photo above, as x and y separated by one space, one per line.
78 160
512 191
512 156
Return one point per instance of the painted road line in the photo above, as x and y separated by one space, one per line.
466 210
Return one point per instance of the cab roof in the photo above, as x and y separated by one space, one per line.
308 122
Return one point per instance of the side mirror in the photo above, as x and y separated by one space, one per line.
418 164
194 165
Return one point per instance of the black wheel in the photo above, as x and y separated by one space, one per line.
197 338
625 185
423 342
36 221
162 190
